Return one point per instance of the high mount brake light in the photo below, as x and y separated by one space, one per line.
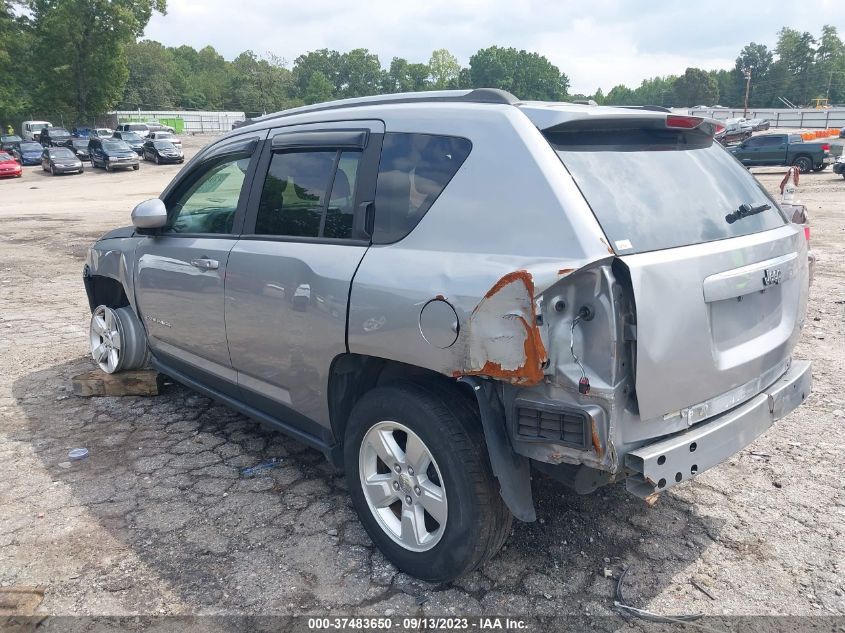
684 122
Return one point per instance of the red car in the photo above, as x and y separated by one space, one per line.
9 166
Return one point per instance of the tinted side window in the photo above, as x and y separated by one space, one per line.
309 194
414 170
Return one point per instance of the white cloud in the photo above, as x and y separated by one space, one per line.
599 44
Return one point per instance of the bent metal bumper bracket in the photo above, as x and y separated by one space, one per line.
663 464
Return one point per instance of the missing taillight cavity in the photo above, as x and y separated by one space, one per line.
683 122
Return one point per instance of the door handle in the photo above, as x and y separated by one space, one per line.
205 264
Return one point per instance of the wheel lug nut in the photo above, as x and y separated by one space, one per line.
408 499
396 485
410 470
397 468
417 490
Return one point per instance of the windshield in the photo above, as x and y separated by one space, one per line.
163 135
130 136
31 147
4 157
55 132
80 143
163 145
116 146
62 152
653 189
10 139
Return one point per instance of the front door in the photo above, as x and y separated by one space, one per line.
289 275
181 272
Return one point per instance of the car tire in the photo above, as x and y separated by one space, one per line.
156 159
455 481
136 167
820 168
803 163
107 166
117 339
52 171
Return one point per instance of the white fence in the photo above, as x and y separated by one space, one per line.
799 118
185 121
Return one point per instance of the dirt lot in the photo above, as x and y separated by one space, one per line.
160 520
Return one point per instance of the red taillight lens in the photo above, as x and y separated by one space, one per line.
807 232
718 128
825 147
683 122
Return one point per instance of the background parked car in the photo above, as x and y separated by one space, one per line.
112 153
839 166
155 126
28 153
132 139
139 128
161 135
759 124
61 160
102 132
842 133
53 136
31 130
162 152
9 167
9 142
79 146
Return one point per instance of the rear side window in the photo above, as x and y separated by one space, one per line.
309 194
652 189
413 171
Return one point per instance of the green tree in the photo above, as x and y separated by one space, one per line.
526 75
756 59
151 74
360 73
258 85
796 54
79 53
444 69
696 87
830 65
620 95
325 61
406 77
15 76
319 89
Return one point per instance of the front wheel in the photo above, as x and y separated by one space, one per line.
804 164
117 339
421 483
107 166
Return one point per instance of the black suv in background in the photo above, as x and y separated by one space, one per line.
132 139
54 136
112 153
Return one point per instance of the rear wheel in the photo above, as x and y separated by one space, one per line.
156 159
804 164
52 170
421 482
107 166
820 168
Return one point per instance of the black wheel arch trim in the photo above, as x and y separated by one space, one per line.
513 471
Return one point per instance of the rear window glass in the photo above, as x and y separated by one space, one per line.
413 171
652 189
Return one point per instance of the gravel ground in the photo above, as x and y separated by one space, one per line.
160 520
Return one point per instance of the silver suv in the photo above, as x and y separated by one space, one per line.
446 291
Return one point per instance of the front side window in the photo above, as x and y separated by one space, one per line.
309 194
209 204
413 171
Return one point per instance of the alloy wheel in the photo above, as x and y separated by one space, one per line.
403 486
106 338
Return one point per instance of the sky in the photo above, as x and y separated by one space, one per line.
598 43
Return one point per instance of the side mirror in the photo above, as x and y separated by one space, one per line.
150 214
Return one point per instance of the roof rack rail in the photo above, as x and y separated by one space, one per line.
478 95
652 108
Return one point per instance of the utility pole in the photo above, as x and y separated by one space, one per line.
747 88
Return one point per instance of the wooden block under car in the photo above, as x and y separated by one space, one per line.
140 382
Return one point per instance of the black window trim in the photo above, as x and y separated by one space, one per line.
364 188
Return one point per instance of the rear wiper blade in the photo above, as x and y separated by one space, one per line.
744 211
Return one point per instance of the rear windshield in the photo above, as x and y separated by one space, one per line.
652 189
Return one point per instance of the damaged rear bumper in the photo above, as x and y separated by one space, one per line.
661 465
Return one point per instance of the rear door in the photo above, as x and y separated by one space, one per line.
288 279
720 293
772 149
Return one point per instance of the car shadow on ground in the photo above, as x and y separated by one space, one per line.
165 478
